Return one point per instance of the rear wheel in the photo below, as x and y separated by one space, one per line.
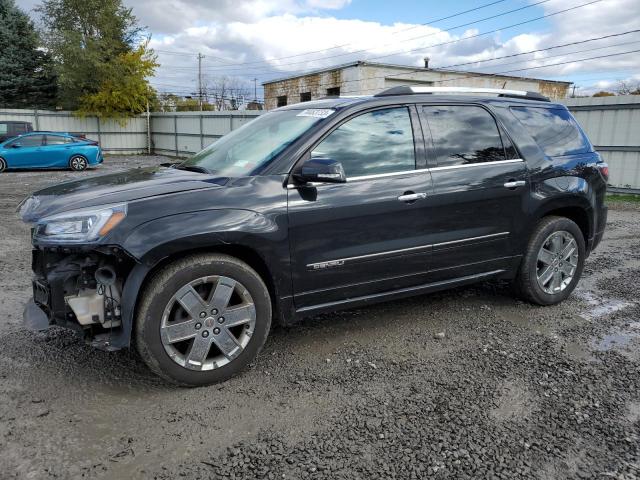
3 165
78 163
203 319
553 262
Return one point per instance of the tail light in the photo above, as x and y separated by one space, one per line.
604 170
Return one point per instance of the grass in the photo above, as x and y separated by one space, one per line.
614 197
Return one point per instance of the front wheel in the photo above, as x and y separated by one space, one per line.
202 319
78 163
553 262
3 165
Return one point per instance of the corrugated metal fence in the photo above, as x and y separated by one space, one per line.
612 123
183 133
175 133
114 137
613 126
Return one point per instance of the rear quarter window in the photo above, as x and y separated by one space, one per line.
554 130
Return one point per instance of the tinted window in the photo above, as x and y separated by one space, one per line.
376 142
20 128
554 129
463 134
30 140
56 140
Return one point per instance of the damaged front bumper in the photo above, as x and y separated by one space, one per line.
80 290
34 317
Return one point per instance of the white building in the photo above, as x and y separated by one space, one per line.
367 78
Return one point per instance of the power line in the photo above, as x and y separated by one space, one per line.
543 49
553 47
428 22
565 54
420 70
531 68
451 42
269 62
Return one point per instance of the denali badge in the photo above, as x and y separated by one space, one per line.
321 265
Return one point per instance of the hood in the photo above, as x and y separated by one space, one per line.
114 188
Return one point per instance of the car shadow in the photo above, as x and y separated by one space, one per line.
62 354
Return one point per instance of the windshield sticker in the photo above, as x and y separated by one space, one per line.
316 112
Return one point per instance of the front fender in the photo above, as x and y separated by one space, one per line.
170 236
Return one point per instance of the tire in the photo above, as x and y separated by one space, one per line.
78 163
162 320
537 265
3 165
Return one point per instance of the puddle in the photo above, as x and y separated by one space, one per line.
626 342
600 307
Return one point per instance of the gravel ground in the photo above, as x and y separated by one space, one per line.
469 383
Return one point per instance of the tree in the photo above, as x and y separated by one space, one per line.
27 78
603 93
100 54
170 102
626 87
226 93
124 91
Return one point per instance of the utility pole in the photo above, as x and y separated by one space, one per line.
573 94
200 57
255 90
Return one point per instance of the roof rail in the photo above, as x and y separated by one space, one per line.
412 90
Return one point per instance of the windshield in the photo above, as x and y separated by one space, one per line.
253 145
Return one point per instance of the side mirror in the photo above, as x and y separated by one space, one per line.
321 170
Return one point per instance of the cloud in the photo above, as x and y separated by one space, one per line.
268 38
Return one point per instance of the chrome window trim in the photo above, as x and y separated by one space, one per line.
383 175
360 178
478 164
404 172
341 261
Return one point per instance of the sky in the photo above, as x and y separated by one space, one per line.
266 39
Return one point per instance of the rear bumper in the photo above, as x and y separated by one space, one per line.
597 238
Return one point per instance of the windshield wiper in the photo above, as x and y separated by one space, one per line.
193 168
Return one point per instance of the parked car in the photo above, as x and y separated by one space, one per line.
49 150
10 129
314 207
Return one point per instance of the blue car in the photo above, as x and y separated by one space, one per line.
49 150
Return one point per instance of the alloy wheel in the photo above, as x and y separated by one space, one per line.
208 323
557 262
78 163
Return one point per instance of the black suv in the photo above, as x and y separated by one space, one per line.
314 207
10 129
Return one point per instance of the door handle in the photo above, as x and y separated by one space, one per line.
412 197
514 184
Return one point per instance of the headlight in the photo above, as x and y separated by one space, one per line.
78 226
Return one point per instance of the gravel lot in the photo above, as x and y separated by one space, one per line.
511 390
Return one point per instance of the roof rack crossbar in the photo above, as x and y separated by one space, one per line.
500 92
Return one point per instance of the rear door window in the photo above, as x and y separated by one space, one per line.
463 134
373 143
56 140
554 130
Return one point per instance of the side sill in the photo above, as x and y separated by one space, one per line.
393 294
